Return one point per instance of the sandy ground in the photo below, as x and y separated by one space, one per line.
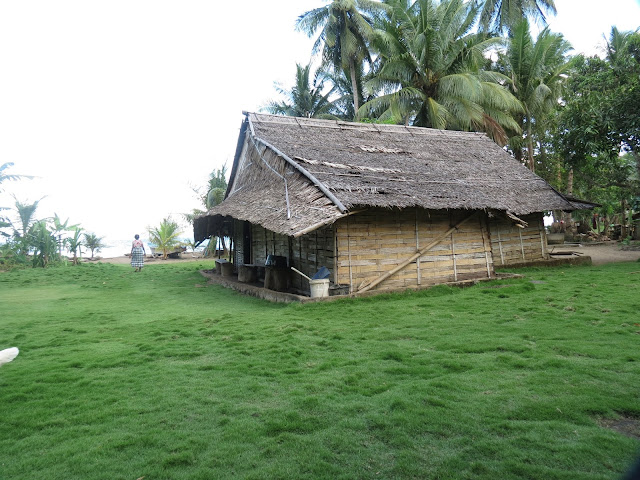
607 252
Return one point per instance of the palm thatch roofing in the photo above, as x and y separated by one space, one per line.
292 175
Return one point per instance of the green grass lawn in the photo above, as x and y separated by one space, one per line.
155 374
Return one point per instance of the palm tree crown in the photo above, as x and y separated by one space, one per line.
305 99
345 29
538 72
428 70
165 236
504 15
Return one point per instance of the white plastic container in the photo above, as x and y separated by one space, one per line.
319 288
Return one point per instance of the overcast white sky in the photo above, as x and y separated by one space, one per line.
120 107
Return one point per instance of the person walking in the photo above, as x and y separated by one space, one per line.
137 254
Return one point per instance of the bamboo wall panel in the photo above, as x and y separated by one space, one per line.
511 244
238 243
372 243
306 253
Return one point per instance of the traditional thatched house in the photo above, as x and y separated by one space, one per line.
382 206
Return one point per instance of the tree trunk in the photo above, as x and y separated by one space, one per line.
532 165
624 233
542 156
569 218
354 86
517 152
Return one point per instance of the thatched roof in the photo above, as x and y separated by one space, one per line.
580 204
349 166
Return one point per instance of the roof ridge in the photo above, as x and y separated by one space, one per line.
365 127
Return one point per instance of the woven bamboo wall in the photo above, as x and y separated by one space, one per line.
374 242
238 243
265 242
306 253
512 244
310 252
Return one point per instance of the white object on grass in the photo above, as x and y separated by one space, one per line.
8 354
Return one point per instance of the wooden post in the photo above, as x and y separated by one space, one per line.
290 253
484 246
542 237
349 252
418 249
453 254
399 267
500 244
335 254
521 245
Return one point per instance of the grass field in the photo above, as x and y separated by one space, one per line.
125 375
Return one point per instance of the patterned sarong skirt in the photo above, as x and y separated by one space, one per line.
137 257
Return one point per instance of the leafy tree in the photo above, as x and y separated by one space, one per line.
93 242
74 244
600 121
345 29
25 219
215 191
217 187
58 228
305 98
429 70
165 236
215 195
504 15
11 254
32 240
538 71
43 244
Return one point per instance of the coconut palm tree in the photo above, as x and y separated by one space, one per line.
74 244
93 242
343 104
623 48
305 98
504 15
165 236
429 71
26 216
217 187
538 71
345 28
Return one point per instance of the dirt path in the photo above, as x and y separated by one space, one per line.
606 252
